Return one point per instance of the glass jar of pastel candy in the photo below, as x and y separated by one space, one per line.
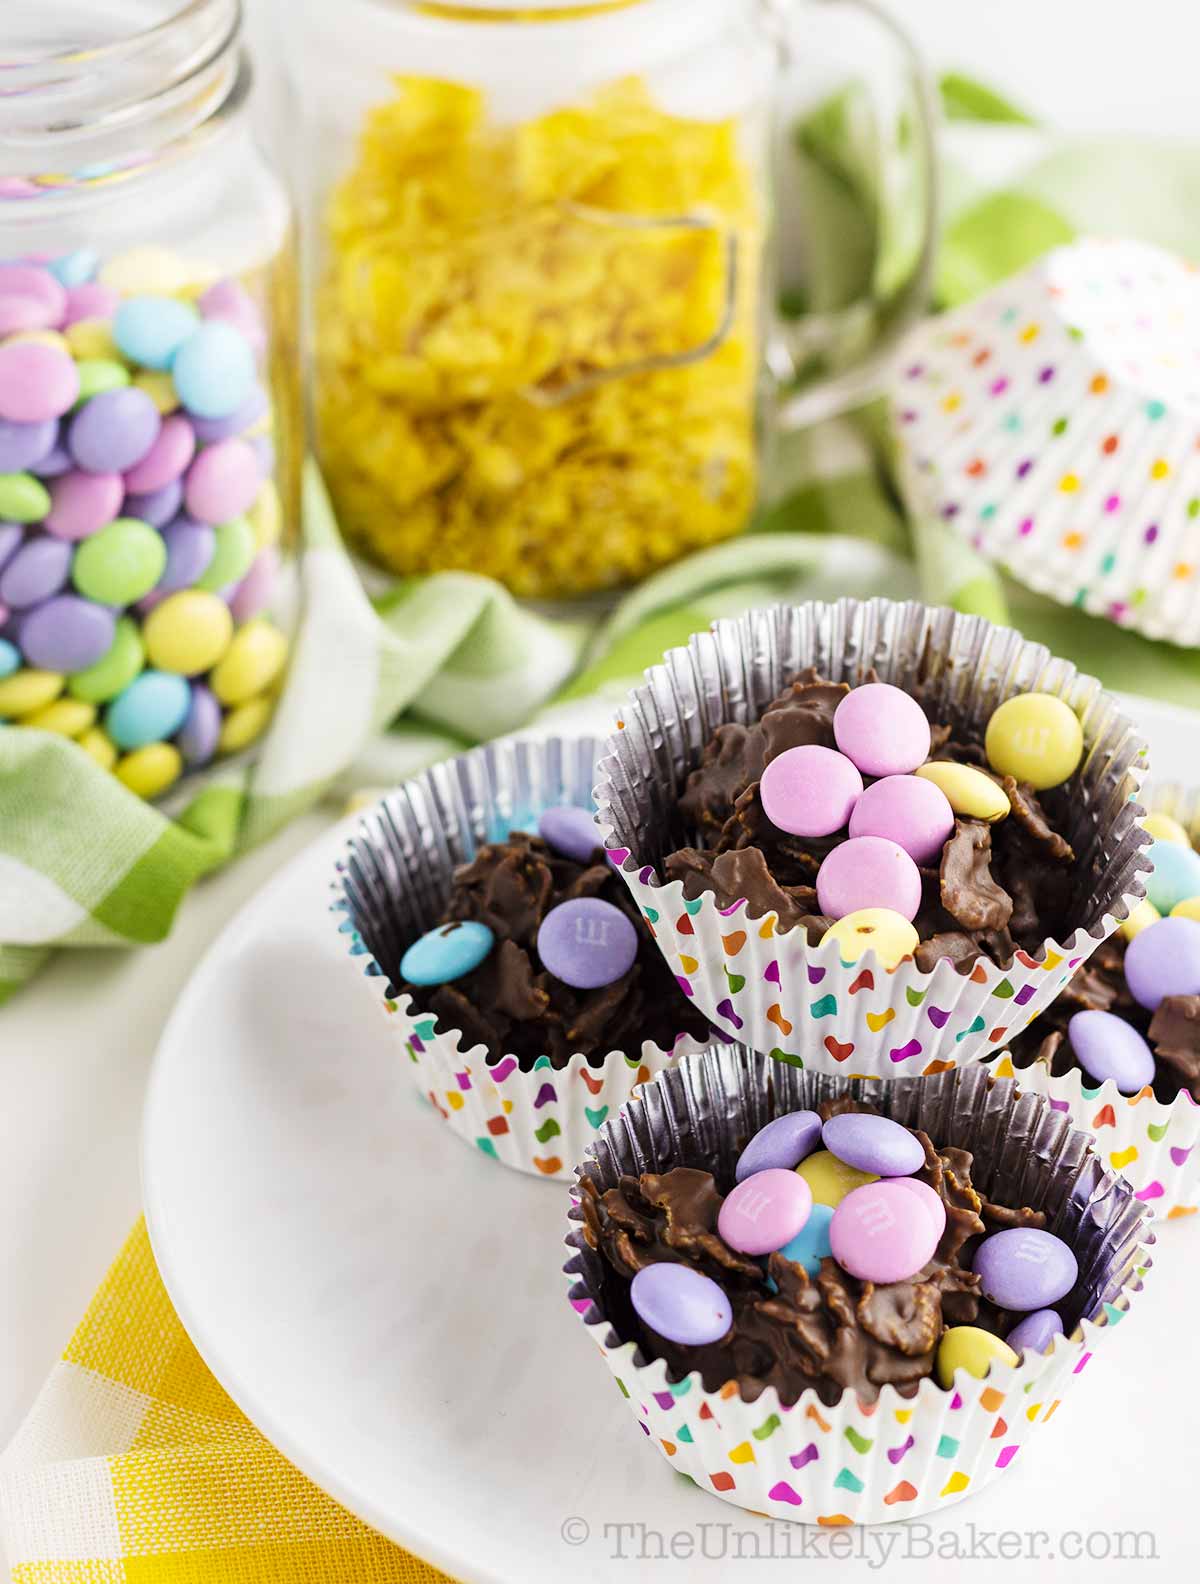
149 405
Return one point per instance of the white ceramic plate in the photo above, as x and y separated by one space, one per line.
386 1305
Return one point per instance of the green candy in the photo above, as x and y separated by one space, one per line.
120 563
114 671
99 374
23 498
232 554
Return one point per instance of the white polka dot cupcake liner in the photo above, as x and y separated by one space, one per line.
1053 423
1156 1146
899 1457
803 1004
389 889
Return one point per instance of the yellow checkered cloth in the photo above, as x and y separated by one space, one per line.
134 1467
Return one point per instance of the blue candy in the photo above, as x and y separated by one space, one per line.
811 1244
150 330
446 953
74 269
153 707
214 370
1176 875
10 658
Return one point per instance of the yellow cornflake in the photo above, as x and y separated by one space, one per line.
480 280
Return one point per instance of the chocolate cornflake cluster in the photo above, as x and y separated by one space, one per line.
511 1004
1173 1031
831 1332
998 887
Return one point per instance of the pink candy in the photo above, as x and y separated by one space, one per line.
883 1232
83 503
765 1211
929 1197
90 301
253 594
882 729
810 790
166 460
868 872
30 299
222 482
912 812
36 382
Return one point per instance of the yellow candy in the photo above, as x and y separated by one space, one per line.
188 632
160 388
1036 738
266 515
26 691
1142 916
972 1349
251 663
880 930
1190 908
1163 828
65 716
92 338
830 1179
968 791
243 724
98 745
153 270
149 771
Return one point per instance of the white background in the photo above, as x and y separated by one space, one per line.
76 1047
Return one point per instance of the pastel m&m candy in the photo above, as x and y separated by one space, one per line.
232 553
37 382
873 1144
1162 961
882 729
254 593
784 1142
30 298
880 1233
214 370
1025 1268
1036 1331
37 570
188 632
166 460
152 708
200 733
1035 738
254 659
969 792
1163 828
765 1211
67 633
830 1179
1107 1047
23 498
113 430
913 813
222 482
681 1304
10 658
586 942
810 790
972 1349
929 1199
1189 908
150 770
811 1244
569 830
65 717
244 723
83 503
880 930
120 563
868 872
1176 875
114 670
150 329
27 690
26 445
1141 916
98 746
446 953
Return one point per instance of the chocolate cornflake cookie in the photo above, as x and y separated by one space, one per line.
511 1004
1172 1032
831 1332
998 887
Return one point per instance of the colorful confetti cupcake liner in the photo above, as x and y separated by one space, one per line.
803 1004
390 888
1155 1146
898 1457
1054 423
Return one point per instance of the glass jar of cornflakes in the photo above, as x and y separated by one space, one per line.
542 277
149 390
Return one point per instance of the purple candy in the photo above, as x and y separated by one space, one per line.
571 831
1107 1047
58 459
190 548
157 507
1025 1268
784 1142
680 1304
114 430
882 729
39 568
1164 960
873 1144
909 811
67 633
765 1211
197 739
587 943
882 1233
868 872
253 593
11 537
23 445
1036 1332
211 430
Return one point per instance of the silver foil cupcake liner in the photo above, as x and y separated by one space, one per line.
391 886
770 989
1155 1145
898 1457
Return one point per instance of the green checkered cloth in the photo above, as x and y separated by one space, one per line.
379 688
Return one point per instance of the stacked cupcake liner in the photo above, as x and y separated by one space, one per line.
390 888
1155 1146
803 1004
1053 423
898 1457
